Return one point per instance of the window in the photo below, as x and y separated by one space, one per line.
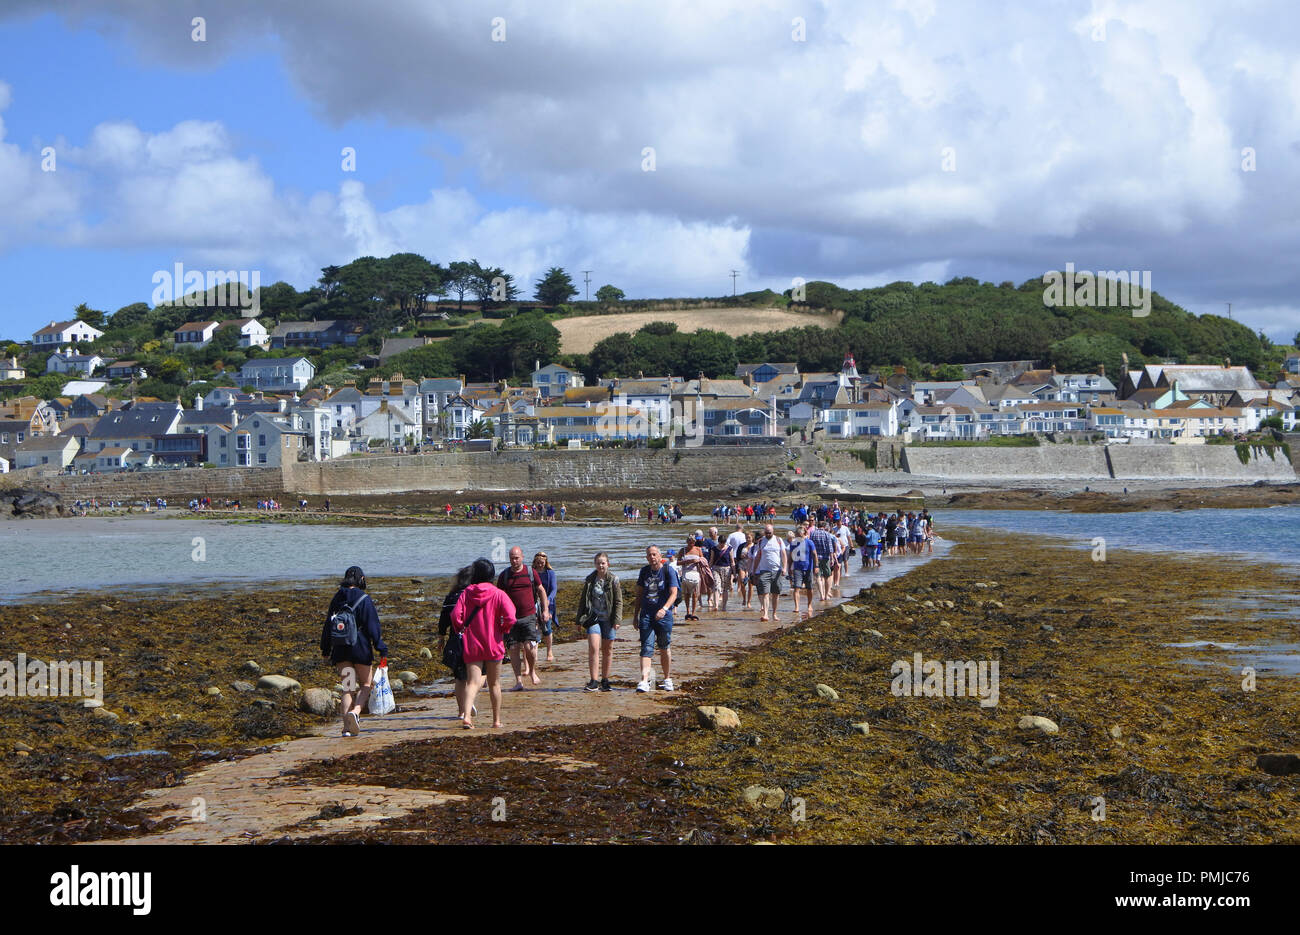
261 459
261 440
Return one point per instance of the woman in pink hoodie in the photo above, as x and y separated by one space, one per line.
483 615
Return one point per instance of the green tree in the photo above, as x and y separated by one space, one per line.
278 300
609 295
91 316
480 428
128 315
460 279
555 287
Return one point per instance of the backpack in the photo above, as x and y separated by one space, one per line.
504 578
343 624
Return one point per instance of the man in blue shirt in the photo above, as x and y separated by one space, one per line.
656 593
802 562
828 552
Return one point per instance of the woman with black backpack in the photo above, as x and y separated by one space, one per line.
348 639
451 647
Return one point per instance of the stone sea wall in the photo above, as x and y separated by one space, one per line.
1096 462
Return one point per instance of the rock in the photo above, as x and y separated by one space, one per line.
850 608
259 703
877 634
1047 628
1278 764
993 761
318 701
396 685
250 668
21 747
908 597
1033 722
980 584
996 604
949 605
825 691
945 623
765 796
416 599
32 503
860 727
213 691
92 703
716 717
1117 732
242 686
426 652
21 753
272 610
927 603
278 683
105 713
407 677
1113 600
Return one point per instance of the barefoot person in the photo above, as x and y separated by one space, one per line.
656 592
803 563
773 561
600 611
546 575
351 648
525 591
483 615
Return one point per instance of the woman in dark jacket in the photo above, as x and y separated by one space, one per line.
458 584
354 663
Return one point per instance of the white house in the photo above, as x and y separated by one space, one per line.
391 424
436 392
258 440
84 364
277 373
553 379
9 370
194 334
52 451
251 332
61 333
462 412
847 420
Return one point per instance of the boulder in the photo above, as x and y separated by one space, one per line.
860 727
250 668
825 691
1278 764
407 677
29 503
21 747
764 796
92 703
243 686
1042 725
716 717
278 683
1117 732
104 713
876 633
213 691
396 685
426 652
318 701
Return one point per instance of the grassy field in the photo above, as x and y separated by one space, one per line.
579 335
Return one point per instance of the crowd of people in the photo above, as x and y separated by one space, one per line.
663 513
491 618
511 512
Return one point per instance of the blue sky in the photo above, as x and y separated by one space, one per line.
1110 135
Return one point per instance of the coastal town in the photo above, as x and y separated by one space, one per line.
274 411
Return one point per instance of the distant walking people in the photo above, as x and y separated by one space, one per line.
483 615
600 611
525 591
349 639
656 592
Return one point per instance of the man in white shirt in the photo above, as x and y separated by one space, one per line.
772 562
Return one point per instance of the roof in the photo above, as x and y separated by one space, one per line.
47 443
55 327
393 346
312 327
782 368
646 387
196 326
113 451
581 394
142 419
265 363
440 385
1192 378
240 322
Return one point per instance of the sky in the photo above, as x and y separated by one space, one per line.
660 145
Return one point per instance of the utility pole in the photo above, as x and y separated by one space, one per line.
1229 311
734 274
586 273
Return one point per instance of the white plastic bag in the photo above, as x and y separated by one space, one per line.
381 694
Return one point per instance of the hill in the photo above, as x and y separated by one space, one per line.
579 335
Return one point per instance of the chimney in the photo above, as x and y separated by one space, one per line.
748 378
1227 362
1101 370
198 402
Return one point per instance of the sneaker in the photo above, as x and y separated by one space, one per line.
643 686
605 686
592 686
351 724
667 685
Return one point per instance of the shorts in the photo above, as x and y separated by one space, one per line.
603 627
769 582
691 584
801 578
844 558
525 630
824 566
651 630
721 578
